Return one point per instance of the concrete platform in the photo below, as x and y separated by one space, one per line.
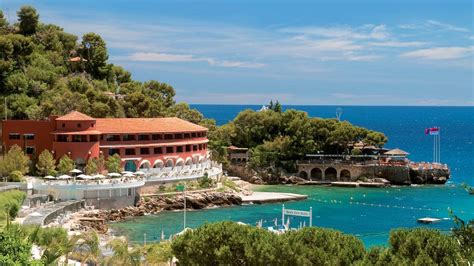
344 184
316 183
271 197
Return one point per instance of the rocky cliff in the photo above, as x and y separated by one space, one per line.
151 205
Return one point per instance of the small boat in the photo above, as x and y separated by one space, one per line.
428 220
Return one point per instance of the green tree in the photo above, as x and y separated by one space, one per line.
14 160
159 253
114 164
122 254
318 246
91 167
46 164
14 248
424 246
228 243
94 50
3 23
65 164
28 19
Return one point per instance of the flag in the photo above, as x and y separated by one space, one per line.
433 131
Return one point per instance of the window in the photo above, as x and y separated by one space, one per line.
200 146
128 137
112 137
178 136
188 148
193 135
29 136
64 125
93 138
129 151
144 151
195 147
168 136
156 137
79 138
92 125
187 136
30 150
114 151
179 149
62 138
169 150
157 150
143 137
78 124
14 136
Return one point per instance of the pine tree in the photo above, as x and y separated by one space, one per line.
91 167
46 163
28 19
14 161
113 164
65 164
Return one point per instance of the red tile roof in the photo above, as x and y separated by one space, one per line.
146 125
74 116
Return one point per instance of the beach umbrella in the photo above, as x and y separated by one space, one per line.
114 174
129 175
49 177
75 171
126 172
64 177
98 176
85 177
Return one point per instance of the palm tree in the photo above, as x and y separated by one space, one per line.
123 255
159 253
87 248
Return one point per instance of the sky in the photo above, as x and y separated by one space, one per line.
406 52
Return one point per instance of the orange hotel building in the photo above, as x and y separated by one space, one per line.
142 143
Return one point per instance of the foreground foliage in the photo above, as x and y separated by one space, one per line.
10 203
228 243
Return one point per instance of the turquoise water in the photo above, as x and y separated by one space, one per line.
404 127
331 208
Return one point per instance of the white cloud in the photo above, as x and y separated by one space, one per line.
234 98
441 53
433 25
378 32
164 57
397 44
445 26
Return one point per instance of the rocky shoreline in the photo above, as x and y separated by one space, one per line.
155 204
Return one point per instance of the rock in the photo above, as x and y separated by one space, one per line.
256 180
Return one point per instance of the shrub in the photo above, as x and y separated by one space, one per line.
16 176
205 182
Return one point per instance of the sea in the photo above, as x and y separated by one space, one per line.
368 213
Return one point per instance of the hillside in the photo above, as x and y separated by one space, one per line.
45 70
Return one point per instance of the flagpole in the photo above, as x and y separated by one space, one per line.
439 145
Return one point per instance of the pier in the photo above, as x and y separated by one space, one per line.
271 197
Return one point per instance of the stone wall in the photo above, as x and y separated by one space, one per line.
73 207
112 203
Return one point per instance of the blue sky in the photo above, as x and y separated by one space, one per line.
299 52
